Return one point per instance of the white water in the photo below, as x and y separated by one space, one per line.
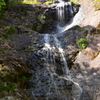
70 8
50 52
60 12
51 49
58 45
64 10
52 43
76 20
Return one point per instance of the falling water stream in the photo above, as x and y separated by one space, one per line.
51 76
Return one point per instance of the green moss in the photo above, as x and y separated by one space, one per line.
16 2
75 1
30 2
48 2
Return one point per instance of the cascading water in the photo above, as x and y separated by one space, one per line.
63 60
64 12
51 76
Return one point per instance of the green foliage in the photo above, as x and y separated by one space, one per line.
7 4
48 2
15 2
1 88
39 25
9 31
82 43
34 48
75 1
30 1
22 78
6 36
85 30
10 80
5 70
4 79
10 86
2 4
41 18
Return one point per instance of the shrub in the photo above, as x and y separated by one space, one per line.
11 30
6 36
41 18
2 4
10 87
82 43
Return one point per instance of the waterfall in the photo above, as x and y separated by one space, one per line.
75 20
67 17
63 60
51 76
65 11
50 53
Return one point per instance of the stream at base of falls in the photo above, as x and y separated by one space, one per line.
51 78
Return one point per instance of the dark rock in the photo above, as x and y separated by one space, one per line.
1 61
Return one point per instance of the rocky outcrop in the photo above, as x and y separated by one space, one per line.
46 82
17 42
91 14
28 16
87 68
84 64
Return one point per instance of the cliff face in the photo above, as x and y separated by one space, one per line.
91 12
91 9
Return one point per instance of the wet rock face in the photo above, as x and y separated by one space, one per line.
48 81
46 85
